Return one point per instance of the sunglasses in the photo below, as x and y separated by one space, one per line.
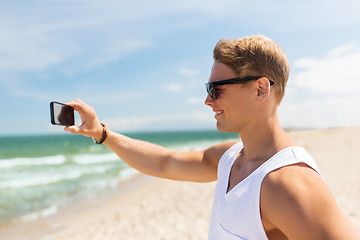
210 86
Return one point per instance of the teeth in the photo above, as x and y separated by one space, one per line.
219 112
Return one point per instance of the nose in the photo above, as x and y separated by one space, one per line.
208 101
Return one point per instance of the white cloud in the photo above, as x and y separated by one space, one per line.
335 74
188 72
195 100
28 48
324 92
91 96
27 44
173 88
90 32
321 113
301 15
341 50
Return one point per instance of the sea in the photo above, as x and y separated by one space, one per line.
40 174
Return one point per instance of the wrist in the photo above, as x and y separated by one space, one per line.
102 134
97 135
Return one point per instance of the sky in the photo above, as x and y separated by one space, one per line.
143 64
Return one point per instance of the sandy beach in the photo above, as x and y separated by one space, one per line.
151 208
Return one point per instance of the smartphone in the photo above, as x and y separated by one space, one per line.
62 114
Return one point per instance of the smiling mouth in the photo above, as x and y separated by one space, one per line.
218 113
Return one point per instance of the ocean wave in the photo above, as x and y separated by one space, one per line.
16 162
43 213
199 145
94 158
50 179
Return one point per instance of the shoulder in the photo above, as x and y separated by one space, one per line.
298 175
215 152
290 187
296 200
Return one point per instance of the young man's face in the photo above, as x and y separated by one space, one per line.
233 106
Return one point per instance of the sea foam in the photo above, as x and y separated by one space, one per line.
48 160
44 179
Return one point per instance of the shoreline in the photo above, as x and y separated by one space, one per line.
53 224
145 207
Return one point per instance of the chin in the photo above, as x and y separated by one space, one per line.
225 129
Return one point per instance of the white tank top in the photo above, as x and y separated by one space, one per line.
236 214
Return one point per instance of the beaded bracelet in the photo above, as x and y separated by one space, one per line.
104 135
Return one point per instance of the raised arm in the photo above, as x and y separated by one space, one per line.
197 166
151 159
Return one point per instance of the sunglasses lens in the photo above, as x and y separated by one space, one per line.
210 90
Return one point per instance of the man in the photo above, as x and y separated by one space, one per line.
268 187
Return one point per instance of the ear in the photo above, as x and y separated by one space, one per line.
263 89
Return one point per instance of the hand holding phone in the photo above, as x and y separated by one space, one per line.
62 114
90 125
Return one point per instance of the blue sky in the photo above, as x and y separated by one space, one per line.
143 64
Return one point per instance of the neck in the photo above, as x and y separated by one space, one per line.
264 138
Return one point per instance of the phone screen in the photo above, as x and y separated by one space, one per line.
61 114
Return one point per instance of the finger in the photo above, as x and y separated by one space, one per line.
77 104
72 129
83 108
85 111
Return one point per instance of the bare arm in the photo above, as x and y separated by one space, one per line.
297 202
198 166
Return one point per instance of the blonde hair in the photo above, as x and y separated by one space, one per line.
255 56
